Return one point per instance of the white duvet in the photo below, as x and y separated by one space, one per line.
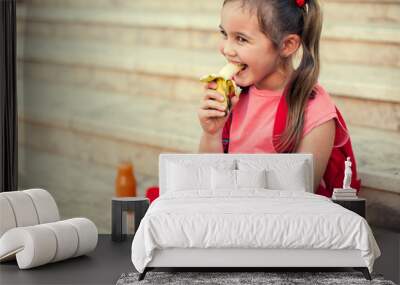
250 219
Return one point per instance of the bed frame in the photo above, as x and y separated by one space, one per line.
241 259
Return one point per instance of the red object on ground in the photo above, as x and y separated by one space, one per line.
300 3
152 193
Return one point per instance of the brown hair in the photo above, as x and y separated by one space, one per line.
277 19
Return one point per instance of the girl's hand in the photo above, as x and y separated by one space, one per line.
212 114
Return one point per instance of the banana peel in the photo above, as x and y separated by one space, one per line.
225 85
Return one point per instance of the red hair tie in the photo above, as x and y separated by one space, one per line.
300 3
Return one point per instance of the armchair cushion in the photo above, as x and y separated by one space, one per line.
31 232
40 244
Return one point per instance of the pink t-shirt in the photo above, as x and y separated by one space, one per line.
254 117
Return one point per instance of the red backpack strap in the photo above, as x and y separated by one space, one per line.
280 124
226 134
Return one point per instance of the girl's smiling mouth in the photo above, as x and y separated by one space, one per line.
242 70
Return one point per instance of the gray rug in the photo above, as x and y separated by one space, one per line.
231 278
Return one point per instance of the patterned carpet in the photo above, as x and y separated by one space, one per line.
232 278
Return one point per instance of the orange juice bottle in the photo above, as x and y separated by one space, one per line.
125 183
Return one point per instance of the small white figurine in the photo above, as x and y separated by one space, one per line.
347 174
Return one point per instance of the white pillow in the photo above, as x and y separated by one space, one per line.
251 178
192 174
293 178
184 177
223 179
282 174
226 179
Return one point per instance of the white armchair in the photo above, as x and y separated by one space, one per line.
31 230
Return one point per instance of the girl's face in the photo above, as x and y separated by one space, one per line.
243 42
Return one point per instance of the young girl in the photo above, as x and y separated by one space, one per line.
264 35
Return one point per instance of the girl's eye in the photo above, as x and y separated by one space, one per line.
241 40
223 33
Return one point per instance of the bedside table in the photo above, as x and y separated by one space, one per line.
120 206
355 205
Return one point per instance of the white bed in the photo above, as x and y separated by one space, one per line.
249 210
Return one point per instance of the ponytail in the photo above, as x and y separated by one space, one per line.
302 84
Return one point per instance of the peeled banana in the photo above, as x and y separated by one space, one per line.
225 85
